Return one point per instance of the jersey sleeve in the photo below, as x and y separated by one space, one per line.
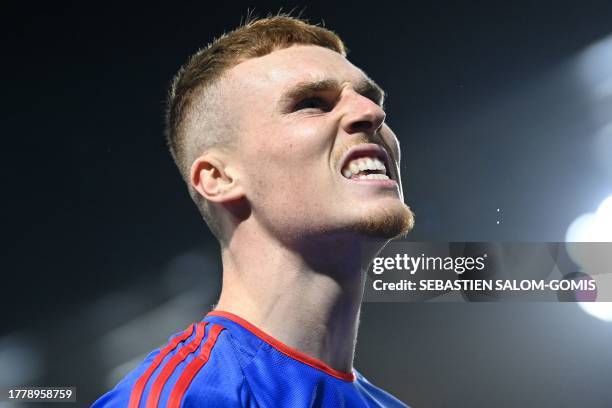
198 368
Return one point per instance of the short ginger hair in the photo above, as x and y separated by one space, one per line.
194 119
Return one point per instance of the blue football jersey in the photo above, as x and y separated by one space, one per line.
224 361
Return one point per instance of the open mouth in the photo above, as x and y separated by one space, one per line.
365 168
366 162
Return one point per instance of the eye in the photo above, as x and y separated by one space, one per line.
312 103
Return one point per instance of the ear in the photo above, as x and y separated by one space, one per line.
214 180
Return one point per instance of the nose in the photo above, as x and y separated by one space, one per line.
361 114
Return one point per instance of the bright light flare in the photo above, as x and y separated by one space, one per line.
592 227
600 310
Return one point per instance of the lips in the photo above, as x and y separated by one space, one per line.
369 168
366 161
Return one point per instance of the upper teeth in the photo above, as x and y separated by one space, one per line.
356 166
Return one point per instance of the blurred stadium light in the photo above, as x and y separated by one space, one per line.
600 310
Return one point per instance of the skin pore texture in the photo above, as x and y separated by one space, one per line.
294 224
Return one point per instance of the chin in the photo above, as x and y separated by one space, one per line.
386 222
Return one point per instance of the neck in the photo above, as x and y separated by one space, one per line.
308 299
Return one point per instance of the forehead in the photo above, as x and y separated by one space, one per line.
283 68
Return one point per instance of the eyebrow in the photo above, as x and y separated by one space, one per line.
301 90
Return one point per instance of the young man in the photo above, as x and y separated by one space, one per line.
284 148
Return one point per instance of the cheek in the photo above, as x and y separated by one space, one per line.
291 186
289 167
296 182
391 140
291 157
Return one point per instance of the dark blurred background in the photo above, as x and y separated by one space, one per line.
498 105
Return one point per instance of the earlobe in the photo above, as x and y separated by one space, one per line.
214 180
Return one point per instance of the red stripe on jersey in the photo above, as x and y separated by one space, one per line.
174 401
285 349
140 384
166 372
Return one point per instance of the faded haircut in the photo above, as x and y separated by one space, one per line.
196 120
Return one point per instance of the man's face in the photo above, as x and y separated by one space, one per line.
314 154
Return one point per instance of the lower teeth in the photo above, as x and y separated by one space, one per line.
373 177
